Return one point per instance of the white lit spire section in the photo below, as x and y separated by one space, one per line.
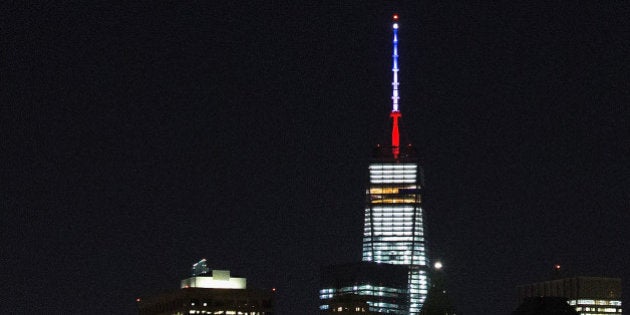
395 96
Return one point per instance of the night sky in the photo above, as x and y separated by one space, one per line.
139 138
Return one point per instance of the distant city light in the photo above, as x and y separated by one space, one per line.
438 265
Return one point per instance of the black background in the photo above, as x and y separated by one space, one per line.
140 138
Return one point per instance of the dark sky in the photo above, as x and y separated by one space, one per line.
138 138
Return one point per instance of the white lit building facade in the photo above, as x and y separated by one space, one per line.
393 226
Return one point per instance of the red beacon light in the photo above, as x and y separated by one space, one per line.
395 17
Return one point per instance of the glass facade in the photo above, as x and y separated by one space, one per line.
364 287
393 228
378 299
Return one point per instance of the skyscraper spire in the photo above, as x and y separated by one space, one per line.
395 114
393 230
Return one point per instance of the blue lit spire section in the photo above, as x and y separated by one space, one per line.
395 96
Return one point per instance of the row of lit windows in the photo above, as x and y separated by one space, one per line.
594 302
399 256
392 213
385 225
376 251
393 166
365 290
390 233
367 232
379 217
398 253
392 174
390 228
408 247
394 170
417 238
393 181
373 291
392 220
586 306
397 259
597 309
388 260
224 312
406 208
379 245
406 214
395 200
418 256
377 227
410 178
389 190
384 222
392 225
407 256
383 232
383 305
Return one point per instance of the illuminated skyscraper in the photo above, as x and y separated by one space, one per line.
393 231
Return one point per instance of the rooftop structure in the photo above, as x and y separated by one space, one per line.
209 292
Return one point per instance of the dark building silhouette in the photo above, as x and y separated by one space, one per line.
587 295
364 287
547 305
209 292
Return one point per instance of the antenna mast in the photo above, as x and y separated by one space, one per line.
395 114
